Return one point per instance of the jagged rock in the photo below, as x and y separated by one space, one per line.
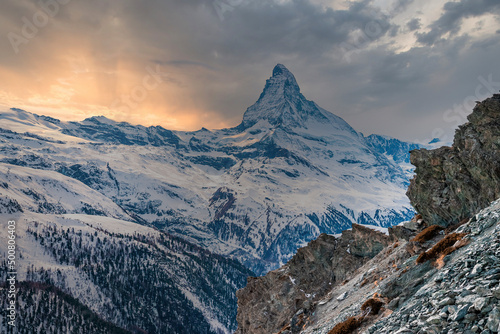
436 319
461 312
407 284
452 183
494 320
342 296
476 305
415 225
419 298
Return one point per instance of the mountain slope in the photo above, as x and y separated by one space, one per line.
456 293
268 303
42 302
133 276
256 192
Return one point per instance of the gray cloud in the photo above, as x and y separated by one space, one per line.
394 31
401 5
295 28
453 15
414 24
406 95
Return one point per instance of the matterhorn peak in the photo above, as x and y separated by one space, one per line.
279 69
281 84
281 102
281 73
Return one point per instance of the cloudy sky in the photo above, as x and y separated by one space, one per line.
406 68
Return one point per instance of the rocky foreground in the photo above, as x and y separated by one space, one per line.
462 296
438 273
269 302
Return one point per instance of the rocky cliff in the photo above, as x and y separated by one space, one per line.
453 183
454 293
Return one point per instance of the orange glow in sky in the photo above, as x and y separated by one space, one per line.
75 87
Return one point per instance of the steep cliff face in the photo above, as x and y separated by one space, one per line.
452 183
284 296
456 290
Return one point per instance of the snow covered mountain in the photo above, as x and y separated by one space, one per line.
256 192
80 254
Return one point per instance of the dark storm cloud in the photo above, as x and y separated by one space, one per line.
414 24
407 94
198 32
453 15
258 29
244 42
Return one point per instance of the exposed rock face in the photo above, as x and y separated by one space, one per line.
392 147
452 183
268 303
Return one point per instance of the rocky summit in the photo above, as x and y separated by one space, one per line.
438 273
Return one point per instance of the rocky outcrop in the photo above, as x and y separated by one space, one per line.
461 297
283 298
452 183
456 292
459 293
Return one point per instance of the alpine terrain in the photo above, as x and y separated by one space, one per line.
257 192
125 228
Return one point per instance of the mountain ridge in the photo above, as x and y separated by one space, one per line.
79 241
335 175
